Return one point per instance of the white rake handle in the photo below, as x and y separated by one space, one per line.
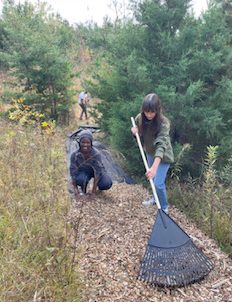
146 165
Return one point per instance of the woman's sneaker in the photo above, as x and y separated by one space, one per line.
149 202
80 190
166 210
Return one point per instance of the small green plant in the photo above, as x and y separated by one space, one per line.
226 174
210 183
207 201
182 151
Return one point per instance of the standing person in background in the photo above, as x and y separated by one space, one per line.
83 100
153 128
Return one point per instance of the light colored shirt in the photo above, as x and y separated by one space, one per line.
82 97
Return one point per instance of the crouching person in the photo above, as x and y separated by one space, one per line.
86 163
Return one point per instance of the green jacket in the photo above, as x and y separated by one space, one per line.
159 145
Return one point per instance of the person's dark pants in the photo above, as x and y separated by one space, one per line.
83 177
84 111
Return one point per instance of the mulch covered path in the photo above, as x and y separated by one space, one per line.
112 235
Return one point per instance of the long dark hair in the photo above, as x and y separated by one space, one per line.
151 103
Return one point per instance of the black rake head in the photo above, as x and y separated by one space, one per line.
171 258
174 267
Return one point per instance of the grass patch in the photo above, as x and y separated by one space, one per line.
212 214
36 255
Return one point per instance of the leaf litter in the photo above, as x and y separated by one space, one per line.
111 238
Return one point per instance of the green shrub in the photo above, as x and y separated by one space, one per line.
206 201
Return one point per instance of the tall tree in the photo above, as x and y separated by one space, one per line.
35 52
183 59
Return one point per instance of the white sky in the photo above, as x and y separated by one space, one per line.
76 11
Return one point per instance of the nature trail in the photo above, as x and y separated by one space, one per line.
111 238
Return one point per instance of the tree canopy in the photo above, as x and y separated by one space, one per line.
163 48
183 59
35 49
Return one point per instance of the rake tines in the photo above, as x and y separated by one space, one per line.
171 259
174 267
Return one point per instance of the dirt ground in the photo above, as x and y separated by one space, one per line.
76 111
111 236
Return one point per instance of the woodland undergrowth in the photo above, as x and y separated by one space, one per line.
207 200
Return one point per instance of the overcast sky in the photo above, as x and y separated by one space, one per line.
76 11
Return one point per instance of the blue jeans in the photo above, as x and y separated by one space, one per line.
159 180
84 175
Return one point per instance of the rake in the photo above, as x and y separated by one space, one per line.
171 258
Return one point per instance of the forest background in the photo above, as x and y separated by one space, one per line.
162 48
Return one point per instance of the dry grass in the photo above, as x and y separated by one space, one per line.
37 256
